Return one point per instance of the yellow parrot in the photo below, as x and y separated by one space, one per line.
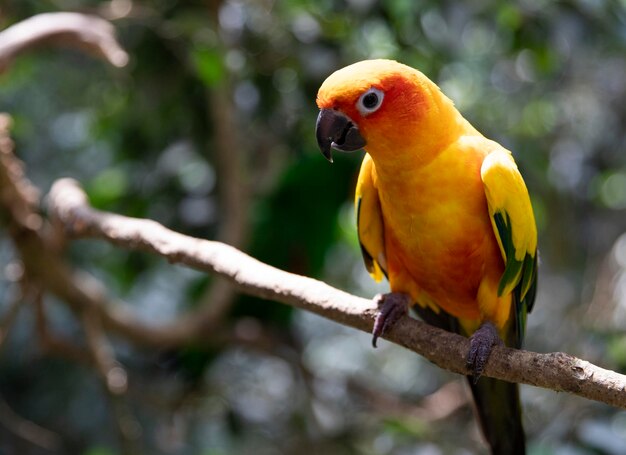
444 214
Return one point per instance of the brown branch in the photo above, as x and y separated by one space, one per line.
17 195
28 430
54 344
114 379
9 316
440 404
229 148
233 198
82 291
88 33
113 375
556 371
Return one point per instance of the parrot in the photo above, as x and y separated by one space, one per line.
444 214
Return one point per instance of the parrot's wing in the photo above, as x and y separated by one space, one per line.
369 219
514 226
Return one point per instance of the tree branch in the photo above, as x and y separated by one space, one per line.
228 151
556 371
115 381
89 33
28 430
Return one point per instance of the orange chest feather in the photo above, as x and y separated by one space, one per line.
437 230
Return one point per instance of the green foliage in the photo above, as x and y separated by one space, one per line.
209 65
410 429
97 450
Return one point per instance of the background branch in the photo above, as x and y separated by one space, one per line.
557 371
28 430
115 381
88 33
228 151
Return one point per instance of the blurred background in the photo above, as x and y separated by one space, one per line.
210 130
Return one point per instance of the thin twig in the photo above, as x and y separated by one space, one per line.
228 151
115 381
53 344
445 401
233 199
556 371
9 317
28 430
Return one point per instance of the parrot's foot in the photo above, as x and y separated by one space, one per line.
481 343
391 307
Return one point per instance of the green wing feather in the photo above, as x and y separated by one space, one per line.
514 227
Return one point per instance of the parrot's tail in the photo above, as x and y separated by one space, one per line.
500 415
497 402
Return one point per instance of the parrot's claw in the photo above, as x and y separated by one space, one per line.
481 343
391 307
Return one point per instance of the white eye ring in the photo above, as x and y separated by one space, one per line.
370 101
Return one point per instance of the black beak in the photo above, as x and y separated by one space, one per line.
335 130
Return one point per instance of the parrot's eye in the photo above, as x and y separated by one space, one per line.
370 101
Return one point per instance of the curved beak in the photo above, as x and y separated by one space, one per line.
335 130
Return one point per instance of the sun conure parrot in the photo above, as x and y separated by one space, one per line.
444 214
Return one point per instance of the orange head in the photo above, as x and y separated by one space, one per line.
388 108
